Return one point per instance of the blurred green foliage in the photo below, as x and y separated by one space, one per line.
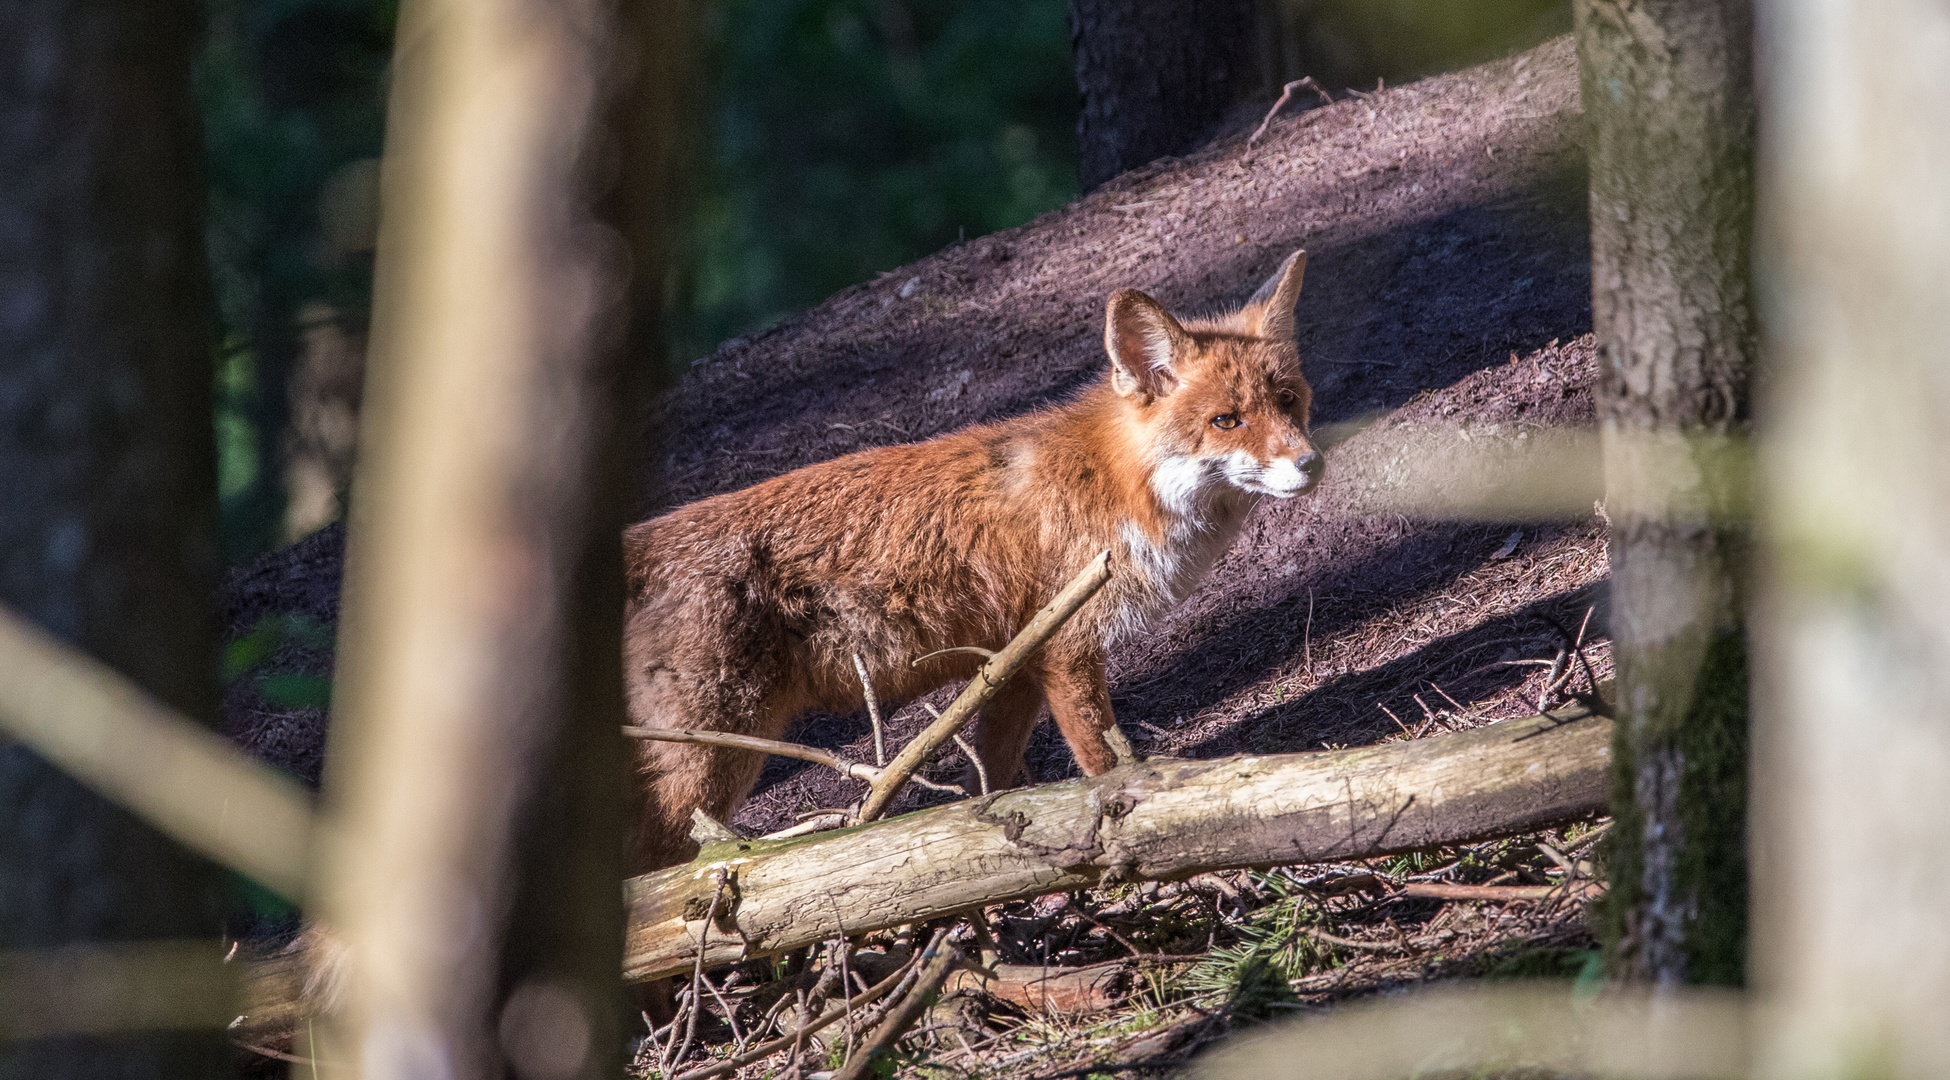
841 138
293 93
836 139
282 689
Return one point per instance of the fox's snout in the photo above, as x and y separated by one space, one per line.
1282 477
1311 466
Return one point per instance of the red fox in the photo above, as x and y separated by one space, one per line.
746 609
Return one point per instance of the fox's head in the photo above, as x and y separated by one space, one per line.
1222 400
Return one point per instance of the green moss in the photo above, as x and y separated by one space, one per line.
1708 736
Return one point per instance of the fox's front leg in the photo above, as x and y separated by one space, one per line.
1079 698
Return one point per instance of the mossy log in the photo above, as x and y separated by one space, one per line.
1156 820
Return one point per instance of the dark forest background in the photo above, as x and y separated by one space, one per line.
828 141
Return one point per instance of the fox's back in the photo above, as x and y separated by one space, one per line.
889 553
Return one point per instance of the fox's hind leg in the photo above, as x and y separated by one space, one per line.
677 779
1004 731
673 779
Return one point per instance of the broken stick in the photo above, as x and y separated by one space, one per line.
984 685
1286 95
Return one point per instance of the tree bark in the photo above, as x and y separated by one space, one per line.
1156 77
107 470
477 779
1667 89
1853 624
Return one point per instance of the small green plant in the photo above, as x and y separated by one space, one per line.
284 689
1273 948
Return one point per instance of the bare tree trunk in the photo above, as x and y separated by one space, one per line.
1156 77
1853 913
477 774
1668 93
107 468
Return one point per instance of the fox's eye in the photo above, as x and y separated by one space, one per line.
1286 397
1226 421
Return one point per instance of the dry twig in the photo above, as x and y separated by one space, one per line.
854 769
984 685
939 961
1442 890
975 760
1286 95
790 1039
873 711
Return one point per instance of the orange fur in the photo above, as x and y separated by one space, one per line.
745 609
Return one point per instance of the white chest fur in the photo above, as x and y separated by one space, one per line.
1203 513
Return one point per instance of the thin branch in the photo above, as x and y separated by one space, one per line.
941 960
873 712
730 1015
985 684
1590 699
1551 678
786 1041
932 785
1353 943
981 774
1286 94
981 652
1442 890
697 974
1307 640
854 769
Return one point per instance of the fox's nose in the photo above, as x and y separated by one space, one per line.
1312 464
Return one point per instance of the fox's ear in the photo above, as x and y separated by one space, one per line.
1144 343
1269 314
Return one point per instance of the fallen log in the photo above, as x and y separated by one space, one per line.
1156 820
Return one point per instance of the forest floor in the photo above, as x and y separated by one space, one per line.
1448 284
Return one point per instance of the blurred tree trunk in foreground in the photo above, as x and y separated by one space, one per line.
477 762
1156 76
107 469
1852 919
1668 93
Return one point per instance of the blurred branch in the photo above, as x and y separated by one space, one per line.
477 769
1541 1030
1511 473
193 784
110 987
